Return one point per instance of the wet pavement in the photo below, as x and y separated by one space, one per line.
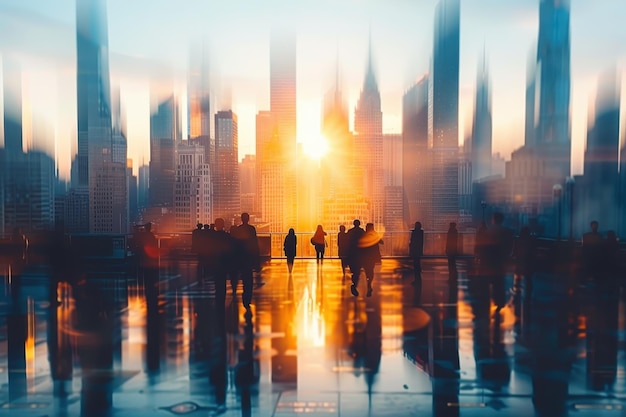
109 345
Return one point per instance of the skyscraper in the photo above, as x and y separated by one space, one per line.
481 128
283 109
443 118
341 184
164 132
12 91
368 143
199 101
97 172
191 187
226 187
416 165
601 178
552 85
27 180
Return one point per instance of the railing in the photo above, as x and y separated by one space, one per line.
395 244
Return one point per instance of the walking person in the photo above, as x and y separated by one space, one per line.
342 248
246 256
452 249
416 251
354 255
370 255
289 246
319 241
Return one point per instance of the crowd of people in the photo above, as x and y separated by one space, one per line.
233 256
222 256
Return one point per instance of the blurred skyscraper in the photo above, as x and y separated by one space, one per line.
601 177
481 129
416 165
552 85
368 143
226 187
199 101
98 172
165 130
192 187
12 94
142 187
279 179
248 183
443 118
341 181
27 180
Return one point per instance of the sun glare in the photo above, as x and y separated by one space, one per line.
315 148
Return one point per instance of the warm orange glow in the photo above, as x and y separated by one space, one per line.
315 148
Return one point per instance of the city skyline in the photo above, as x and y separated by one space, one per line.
405 46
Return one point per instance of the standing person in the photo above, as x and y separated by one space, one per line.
452 249
247 256
354 256
342 248
370 254
289 246
416 251
593 244
319 241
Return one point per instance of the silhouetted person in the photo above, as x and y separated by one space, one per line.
247 256
593 244
342 248
369 254
354 255
289 246
416 251
452 249
499 243
319 241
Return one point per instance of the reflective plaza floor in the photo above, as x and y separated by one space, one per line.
309 347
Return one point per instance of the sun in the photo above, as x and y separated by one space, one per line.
315 148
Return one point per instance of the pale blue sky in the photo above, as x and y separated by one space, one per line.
149 39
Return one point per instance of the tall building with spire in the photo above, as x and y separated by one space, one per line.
102 177
482 126
341 181
368 143
552 86
443 118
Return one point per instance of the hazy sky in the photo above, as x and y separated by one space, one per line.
149 43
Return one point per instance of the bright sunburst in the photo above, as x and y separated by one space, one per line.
315 148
